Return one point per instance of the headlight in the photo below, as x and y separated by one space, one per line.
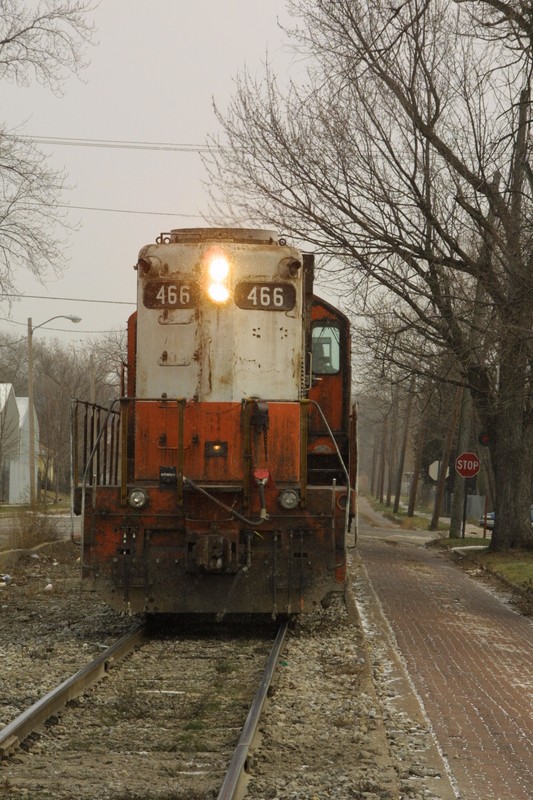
289 499
138 498
218 270
218 292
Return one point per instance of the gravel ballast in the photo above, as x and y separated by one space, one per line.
342 722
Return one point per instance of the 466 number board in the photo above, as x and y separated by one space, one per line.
248 295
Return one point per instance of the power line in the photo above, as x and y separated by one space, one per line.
130 211
119 144
122 144
54 330
71 299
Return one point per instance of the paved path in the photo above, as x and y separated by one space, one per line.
470 658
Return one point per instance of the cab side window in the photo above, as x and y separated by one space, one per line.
325 348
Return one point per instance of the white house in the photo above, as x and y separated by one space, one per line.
14 446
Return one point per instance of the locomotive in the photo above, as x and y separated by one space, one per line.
223 478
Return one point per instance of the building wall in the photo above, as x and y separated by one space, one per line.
14 446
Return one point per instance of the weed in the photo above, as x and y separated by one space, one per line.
224 667
31 528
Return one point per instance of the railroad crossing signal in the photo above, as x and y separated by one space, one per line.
467 465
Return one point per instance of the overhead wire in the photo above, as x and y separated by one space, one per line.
129 211
119 144
52 329
70 299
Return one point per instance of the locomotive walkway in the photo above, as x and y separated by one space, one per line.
469 656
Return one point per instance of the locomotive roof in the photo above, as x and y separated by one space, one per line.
223 234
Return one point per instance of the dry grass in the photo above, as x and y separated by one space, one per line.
26 529
420 521
515 567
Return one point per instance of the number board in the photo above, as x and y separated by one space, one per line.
265 296
168 294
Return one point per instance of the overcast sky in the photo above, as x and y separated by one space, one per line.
153 73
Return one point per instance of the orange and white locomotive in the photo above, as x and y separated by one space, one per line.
222 481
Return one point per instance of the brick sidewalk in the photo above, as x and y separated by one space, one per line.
470 658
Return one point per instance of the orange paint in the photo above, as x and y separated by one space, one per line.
213 447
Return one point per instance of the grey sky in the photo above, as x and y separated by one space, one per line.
152 76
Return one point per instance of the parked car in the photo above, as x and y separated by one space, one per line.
488 521
491 516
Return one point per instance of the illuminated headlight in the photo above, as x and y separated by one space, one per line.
218 292
137 498
218 272
289 499
218 269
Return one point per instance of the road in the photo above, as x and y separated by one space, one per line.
468 656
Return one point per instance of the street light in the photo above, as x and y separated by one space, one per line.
31 329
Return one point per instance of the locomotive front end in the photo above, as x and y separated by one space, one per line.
211 508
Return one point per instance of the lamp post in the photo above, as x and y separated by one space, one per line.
31 329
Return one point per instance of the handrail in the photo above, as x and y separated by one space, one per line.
126 401
341 460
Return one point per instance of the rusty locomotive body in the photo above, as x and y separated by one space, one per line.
223 480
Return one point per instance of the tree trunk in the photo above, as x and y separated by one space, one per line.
392 446
512 458
403 449
374 466
441 482
420 439
382 464
459 483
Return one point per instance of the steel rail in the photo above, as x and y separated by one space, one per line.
36 715
234 780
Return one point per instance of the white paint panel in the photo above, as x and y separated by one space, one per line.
218 352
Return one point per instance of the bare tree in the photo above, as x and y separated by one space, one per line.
41 41
108 358
91 374
13 362
406 155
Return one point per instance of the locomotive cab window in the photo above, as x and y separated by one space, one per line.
325 348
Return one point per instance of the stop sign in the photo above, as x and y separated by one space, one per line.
467 465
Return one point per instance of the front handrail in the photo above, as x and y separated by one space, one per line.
110 466
341 460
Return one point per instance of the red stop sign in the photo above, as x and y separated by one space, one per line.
467 465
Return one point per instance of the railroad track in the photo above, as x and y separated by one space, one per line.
162 724
37 714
